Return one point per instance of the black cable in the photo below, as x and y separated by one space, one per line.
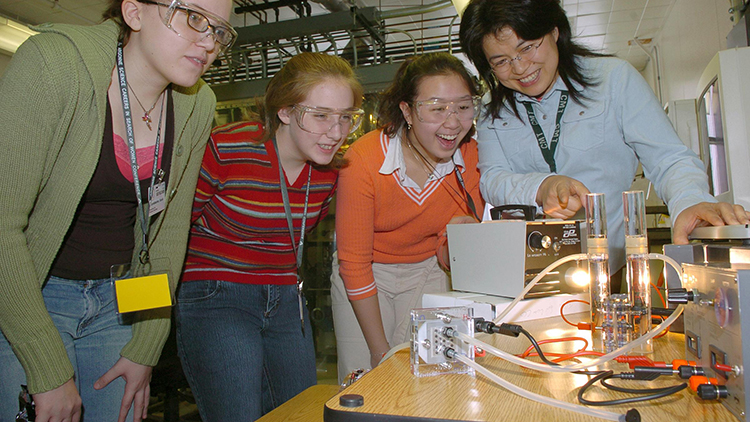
609 374
469 201
536 347
632 390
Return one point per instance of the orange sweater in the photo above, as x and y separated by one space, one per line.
378 220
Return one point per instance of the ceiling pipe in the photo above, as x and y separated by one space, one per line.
657 70
416 10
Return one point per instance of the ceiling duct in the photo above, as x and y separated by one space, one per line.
416 10
334 5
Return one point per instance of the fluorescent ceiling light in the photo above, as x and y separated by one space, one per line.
460 6
12 35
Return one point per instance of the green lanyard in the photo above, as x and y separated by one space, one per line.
548 149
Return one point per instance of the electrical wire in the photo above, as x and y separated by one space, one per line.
632 390
558 340
609 374
563 307
571 368
661 296
532 283
534 396
425 162
560 357
536 346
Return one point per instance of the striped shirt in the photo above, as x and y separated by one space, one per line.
240 232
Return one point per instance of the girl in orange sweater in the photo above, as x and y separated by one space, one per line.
402 185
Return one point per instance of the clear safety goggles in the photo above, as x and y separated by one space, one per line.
193 23
320 120
438 111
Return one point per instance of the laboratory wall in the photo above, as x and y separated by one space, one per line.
694 32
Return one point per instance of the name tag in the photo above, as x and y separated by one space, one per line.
157 198
141 293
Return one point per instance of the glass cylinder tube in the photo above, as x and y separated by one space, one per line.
598 251
638 273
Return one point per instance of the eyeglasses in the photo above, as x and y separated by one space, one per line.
438 111
527 53
320 120
193 23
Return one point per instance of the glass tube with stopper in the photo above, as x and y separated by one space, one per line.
637 273
598 251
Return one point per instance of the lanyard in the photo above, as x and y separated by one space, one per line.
297 248
548 150
144 256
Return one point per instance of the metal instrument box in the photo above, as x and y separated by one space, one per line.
715 326
500 257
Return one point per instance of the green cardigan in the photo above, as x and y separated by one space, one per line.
53 99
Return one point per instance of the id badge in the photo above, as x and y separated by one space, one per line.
157 198
147 287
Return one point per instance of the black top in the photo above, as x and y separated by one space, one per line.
102 233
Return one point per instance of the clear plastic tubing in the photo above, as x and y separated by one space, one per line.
598 251
606 358
579 366
532 283
637 272
537 397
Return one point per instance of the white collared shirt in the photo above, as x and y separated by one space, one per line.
394 162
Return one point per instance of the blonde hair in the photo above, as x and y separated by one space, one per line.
295 81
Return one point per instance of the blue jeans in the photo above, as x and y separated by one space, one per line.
93 335
242 347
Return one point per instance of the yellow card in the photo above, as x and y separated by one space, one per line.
141 293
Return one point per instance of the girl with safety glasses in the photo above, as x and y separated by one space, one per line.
402 185
103 130
243 333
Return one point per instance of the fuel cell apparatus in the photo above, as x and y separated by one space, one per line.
500 257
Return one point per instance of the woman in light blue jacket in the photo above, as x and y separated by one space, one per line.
562 120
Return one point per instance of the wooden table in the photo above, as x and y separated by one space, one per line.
392 393
306 406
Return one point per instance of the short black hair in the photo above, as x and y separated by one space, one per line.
530 20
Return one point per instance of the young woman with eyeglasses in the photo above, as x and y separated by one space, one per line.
402 185
71 211
562 121
243 331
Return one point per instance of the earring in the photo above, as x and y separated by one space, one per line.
408 126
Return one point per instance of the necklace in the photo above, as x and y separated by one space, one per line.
421 159
146 113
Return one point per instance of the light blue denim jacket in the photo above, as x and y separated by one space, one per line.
619 123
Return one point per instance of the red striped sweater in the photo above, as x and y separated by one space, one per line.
239 231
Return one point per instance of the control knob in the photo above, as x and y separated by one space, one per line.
712 392
680 295
539 241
